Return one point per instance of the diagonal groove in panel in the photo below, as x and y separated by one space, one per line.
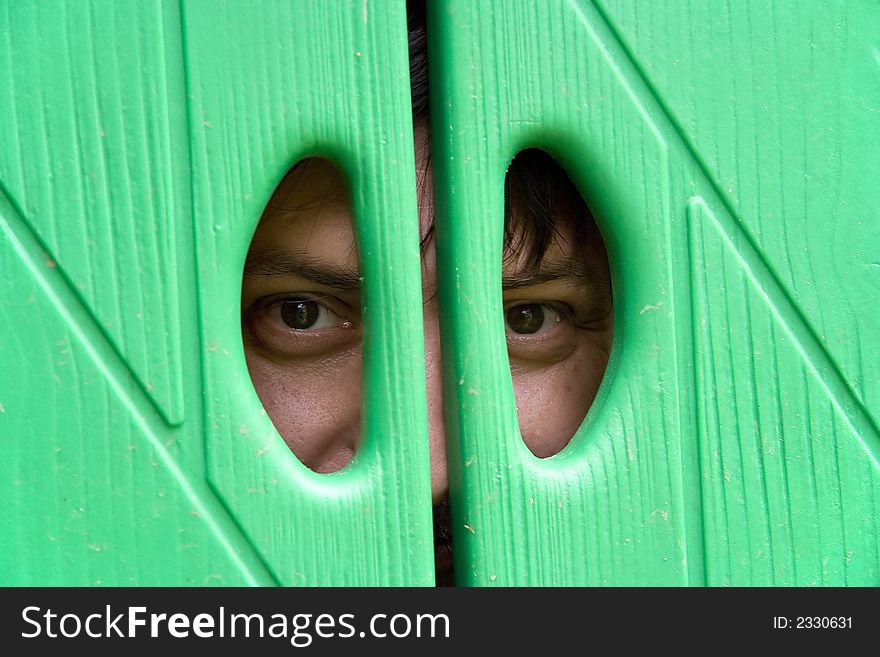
119 377
790 478
33 248
39 251
730 223
815 357
221 499
372 520
92 165
632 82
619 484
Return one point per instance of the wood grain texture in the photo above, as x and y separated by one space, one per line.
779 107
97 489
612 507
305 79
655 443
144 141
103 476
789 460
93 153
728 150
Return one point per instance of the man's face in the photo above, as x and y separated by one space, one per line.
302 330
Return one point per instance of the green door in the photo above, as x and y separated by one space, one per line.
729 154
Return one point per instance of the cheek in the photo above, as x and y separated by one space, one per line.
553 401
315 408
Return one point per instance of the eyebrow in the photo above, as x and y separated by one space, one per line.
289 263
557 271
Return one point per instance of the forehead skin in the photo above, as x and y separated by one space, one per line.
309 213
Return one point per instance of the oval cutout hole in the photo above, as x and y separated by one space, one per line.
557 301
301 315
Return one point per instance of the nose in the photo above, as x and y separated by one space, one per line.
434 381
335 423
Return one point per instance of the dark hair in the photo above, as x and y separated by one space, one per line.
418 60
539 196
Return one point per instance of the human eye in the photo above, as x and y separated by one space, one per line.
539 331
300 324
533 318
305 314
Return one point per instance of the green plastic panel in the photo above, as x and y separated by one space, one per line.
140 142
611 508
93 131
256 108
728 150
730 156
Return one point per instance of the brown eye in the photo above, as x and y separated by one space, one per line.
526 318
300 314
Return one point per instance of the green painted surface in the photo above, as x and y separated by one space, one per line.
730 157
728 152
141 143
